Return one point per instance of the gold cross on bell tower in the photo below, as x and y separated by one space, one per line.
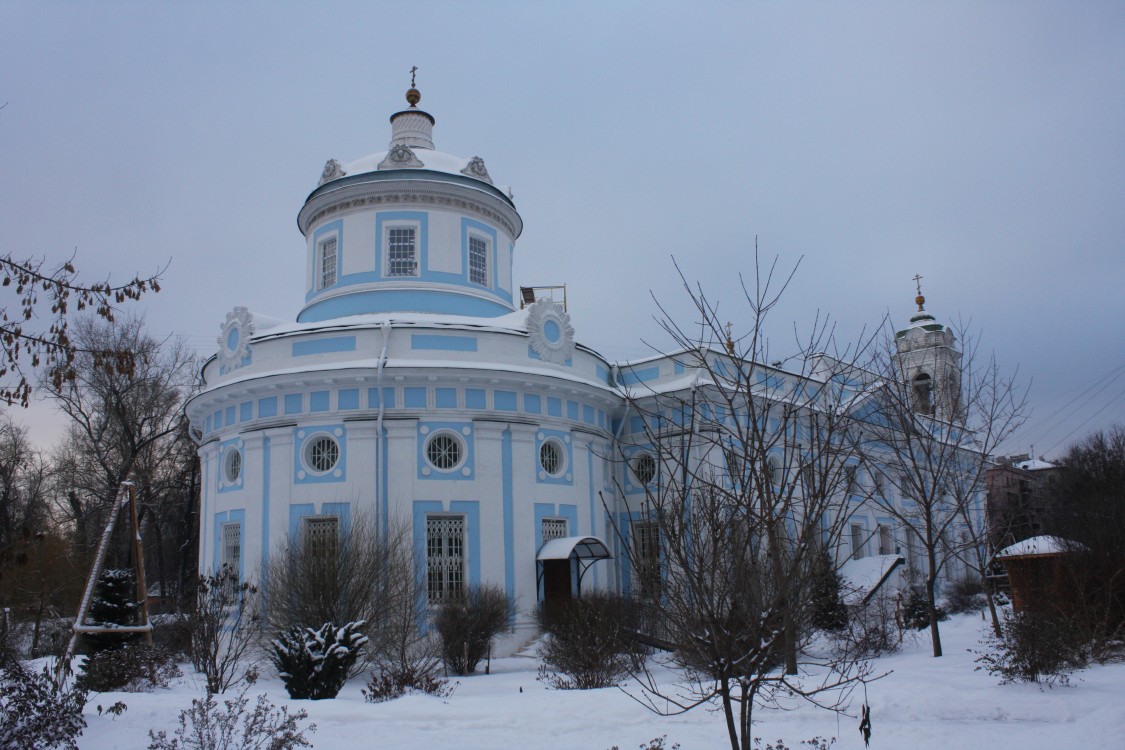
919 300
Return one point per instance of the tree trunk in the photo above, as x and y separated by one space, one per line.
931 604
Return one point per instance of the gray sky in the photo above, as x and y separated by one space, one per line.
979 144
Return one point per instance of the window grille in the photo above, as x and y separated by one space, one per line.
401 260
644 468
322 453
321 536
232 465
478 261
646 558
851 475
445 557
443 451
231 545
551 457
880 483
857 541
553 528
328 263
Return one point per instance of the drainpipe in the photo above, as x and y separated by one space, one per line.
380 440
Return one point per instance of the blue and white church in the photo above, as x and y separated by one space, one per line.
419 385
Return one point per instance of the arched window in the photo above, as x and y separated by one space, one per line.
923 393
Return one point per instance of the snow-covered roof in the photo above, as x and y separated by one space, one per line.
514 321
863 577
1036 545
1034 464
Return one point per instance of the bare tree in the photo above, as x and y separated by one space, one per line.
224 629
52 346
744 466
936 418
124 421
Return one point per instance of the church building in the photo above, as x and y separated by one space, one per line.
420 385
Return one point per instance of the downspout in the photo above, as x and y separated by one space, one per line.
380 439
616 450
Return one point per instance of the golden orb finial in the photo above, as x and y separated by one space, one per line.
413 96
919 300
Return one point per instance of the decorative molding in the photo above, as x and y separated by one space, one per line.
476 169
400 156
234 341
552 335
332 171
381 194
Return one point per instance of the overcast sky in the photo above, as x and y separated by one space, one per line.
979 144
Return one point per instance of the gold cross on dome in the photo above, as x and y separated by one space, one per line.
413 70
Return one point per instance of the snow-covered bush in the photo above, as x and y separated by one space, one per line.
871 629
209 726
467 625
965 595
35 712
224 629
1035 647
114 603
314 664
132 668
587 642
386 685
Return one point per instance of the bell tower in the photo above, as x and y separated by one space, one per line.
929 364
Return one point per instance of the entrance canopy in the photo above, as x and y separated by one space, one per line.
574 547
557 555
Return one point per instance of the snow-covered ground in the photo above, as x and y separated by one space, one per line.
924 704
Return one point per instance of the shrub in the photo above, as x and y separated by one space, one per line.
827 608
386 685
36 712
314 664
656 743
207 726
915 612
965 595
871 630
1035 647
587 642
224 629
467 625
132 668
816 743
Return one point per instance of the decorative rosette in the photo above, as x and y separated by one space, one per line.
234 341
552 335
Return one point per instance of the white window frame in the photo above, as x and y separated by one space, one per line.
858 540
325 277
307 454
388 231
559 449
230 541
315 530
646 558
462 450
232 465
486 247
446 556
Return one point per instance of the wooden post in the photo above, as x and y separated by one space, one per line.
139 562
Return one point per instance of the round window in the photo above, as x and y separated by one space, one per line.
321 454
552 457
443 451
232 465
644 468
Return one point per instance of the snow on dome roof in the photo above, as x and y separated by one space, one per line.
1036 545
